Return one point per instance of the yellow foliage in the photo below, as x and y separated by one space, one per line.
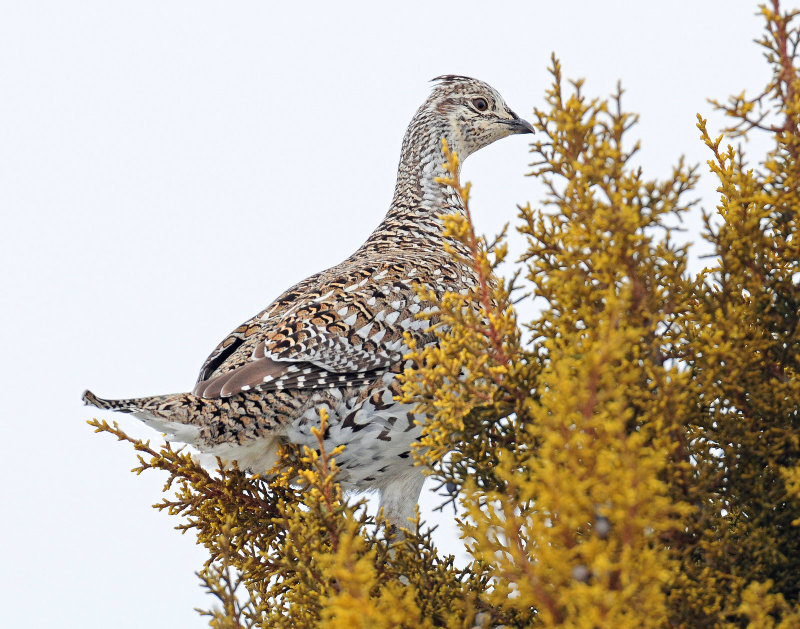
766 610
360 600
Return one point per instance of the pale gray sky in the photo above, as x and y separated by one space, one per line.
168 168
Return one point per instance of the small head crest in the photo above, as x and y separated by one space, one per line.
450 78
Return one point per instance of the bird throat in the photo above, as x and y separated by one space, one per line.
420 201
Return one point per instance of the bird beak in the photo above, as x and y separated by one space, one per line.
518 125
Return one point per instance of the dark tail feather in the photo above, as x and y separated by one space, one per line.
122 406
166 413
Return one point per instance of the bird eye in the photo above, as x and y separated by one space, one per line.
480 104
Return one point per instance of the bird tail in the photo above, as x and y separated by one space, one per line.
166 413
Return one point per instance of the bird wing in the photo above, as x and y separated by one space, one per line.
342 327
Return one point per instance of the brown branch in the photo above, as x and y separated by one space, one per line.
326 475
495 337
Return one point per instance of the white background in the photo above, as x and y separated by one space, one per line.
168 168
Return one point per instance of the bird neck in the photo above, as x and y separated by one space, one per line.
419 200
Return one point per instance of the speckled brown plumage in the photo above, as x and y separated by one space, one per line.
335 340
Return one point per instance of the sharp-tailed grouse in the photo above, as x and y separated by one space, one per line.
335 340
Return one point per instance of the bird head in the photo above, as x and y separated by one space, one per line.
471 113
